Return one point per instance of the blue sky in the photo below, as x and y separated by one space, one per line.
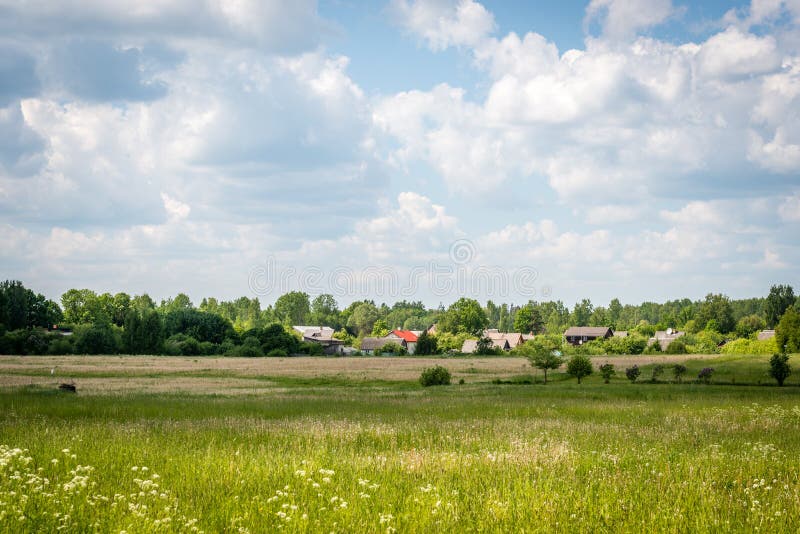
429 149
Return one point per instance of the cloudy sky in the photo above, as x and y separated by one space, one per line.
640 149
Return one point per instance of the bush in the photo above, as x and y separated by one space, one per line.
96 339
579 366
677 346
435 376
705 374
678 371
779 368
632 373
392 349
658 370
750 346
426 344
279 353
607 371
60 346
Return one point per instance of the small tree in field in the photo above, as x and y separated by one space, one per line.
632 373
779 368
579 366
705 374
543 353
658 370
678 371
607 371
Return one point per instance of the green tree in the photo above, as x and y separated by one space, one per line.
180 302
779 368
426 344
362 318
787 332
614 312
293 308
778 301
380 328
143 332
528 319
582 313
83 306
716 308
747 326
579 366
543 352
607 371
464 315
325 311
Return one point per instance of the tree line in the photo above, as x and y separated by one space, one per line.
85 322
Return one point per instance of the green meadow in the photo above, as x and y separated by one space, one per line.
345 453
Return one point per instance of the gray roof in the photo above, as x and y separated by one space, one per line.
620 333
374 343
588 331
766 334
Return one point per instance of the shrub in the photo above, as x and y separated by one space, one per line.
677 346
435 376
607 371
678 371
705 374
278 353
779 368
96 339
426 344
658 370
391 348
579 366
632 373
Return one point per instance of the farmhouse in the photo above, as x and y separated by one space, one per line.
410 337
370 344
471 345
665 337
514 339
578 335
322 335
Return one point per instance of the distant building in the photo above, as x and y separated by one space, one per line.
410 337
620 333
578 335
665 337
766 334
322 335
471 345
370 344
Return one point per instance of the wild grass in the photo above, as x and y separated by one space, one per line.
348 455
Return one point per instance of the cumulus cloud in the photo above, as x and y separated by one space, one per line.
445 23
624 18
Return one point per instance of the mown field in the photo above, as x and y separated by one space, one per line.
356 445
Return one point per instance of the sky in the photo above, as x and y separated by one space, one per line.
407 149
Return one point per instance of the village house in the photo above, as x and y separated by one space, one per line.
665 337
410 337
371 344
578 335
322 335
471 345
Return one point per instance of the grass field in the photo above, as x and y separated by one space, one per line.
356 445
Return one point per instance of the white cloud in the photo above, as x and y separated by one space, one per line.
175 208
624 18
733 54
789 210
445 23
612 213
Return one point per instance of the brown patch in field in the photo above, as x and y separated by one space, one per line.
238 375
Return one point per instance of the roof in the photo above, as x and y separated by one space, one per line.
588 331
766 334
374 343
662 334
469 346
311 330
407 335
621 333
